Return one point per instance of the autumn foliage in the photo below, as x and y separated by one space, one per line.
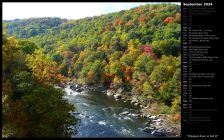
169 19
68 54
32 107
142 18
118 21
130 23
148 49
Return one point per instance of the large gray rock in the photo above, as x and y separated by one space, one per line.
158 133
147 124
107 109
109 93
157 120
134 115
156 126
148 129
73 86
136 104
133 102
125 113
78 90
117 96
158 123
152 117
77 113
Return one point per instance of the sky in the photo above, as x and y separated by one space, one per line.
62 10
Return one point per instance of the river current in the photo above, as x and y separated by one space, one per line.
100 115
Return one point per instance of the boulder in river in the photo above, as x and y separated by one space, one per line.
107 109
147 123
109 93
74 86
143 116
136 104
133 102
156 126
152 117
78 90
71 86
76 113
158 133
125 113
148 129
158 120
117 96
134 115
158 123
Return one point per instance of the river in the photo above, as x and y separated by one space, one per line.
103 116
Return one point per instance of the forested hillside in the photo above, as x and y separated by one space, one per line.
31 107
137 50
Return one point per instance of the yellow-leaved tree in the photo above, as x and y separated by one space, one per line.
44 68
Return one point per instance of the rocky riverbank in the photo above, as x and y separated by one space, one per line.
157 125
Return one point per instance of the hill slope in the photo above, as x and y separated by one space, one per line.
137 50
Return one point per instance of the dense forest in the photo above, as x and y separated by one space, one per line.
138 50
